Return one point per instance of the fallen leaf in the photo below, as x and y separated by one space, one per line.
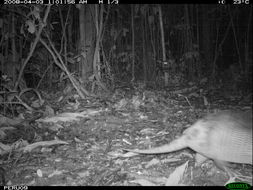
153 162
177 175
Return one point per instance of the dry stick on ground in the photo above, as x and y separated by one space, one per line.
41 26
19 102
13 102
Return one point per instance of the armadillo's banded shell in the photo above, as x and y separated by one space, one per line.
227 137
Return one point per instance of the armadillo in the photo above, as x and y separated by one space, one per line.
223 137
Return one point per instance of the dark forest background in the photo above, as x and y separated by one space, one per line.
96 47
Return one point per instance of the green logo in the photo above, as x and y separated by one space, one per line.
238 186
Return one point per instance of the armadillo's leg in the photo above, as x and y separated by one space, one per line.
199 159
221 165
224 166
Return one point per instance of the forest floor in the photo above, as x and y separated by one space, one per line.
82 142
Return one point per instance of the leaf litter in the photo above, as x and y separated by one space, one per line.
85 145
